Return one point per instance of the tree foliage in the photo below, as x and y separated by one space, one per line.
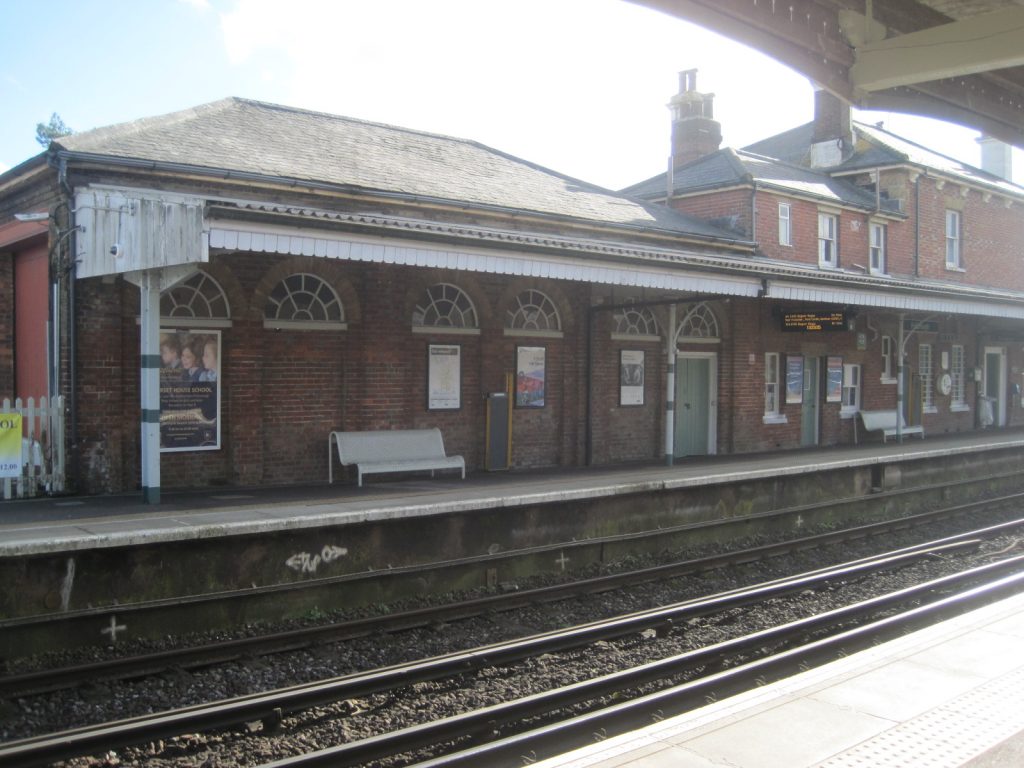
47 132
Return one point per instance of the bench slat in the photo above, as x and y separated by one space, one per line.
398 450
885 422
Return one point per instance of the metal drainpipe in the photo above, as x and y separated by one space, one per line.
899 381
62 180
670 387
589 358
753 212
917 226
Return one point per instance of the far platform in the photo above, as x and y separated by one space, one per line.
67 524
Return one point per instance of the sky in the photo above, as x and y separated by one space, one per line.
579 86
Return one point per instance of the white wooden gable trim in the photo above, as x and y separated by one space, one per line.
132 230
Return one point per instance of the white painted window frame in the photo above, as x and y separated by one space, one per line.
828 240
888 360
926 372
852 388
958 373
954 240
877 247
786 224
772 394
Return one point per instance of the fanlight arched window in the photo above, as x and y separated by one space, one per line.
445 306
699 324
303 300
533 312
635 321
197 299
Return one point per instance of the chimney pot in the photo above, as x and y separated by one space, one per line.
695 133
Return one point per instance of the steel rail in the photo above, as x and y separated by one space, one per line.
489 719
185 658
557 738
270 707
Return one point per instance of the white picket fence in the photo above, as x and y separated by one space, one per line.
42 448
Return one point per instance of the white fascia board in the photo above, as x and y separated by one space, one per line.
904 301
270 238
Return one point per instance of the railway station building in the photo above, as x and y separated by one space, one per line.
214 291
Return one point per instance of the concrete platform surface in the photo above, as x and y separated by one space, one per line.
76 523
943 697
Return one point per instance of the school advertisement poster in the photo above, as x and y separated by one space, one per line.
189 390
10 445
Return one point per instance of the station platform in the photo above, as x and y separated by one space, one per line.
218 558
69 524
943 697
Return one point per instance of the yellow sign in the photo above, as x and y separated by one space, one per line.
10 445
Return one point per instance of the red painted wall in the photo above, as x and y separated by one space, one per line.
31 280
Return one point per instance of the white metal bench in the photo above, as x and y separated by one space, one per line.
885 422
398 450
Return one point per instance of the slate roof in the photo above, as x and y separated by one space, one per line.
885 147
251 137
730 167
792 146
877 147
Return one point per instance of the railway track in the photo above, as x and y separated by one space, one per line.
567 734
271 709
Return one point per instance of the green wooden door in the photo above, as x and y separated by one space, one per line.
693 403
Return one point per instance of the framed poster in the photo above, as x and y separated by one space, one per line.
530 377
794 379
444 377
189 390
631 377
834 380
10 444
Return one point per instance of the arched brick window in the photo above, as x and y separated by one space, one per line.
699 324
199 298
303 301
533 313
635 321
447 308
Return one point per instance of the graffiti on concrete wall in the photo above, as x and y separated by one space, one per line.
304 562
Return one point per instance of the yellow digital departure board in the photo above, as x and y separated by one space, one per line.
813 321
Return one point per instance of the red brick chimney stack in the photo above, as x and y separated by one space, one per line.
695 132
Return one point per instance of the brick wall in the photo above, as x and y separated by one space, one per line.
992 247
108 399
730 209
625 432
284 390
